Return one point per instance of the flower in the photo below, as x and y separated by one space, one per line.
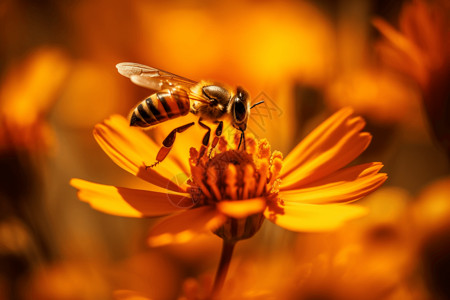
27 93
233 191
420 50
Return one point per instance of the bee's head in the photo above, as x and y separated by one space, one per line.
239 109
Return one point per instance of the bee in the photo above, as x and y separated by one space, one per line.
177 96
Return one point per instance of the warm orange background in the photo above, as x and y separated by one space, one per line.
306 59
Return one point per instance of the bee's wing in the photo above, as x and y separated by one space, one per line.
152 78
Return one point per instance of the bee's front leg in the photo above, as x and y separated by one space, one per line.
242 139
218 133
205 141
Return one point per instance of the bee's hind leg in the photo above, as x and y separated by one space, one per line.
168 143
218 133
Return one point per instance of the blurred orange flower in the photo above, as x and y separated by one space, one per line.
420 47
420 50
27 93
305 195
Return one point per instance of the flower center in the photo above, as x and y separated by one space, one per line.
236 175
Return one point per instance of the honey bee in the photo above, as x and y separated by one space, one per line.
177 96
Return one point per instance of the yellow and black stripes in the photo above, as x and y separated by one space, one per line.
160 107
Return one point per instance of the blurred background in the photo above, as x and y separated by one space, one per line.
390 60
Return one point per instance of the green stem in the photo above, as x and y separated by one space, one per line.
225 259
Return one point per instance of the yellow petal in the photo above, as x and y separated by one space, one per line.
128 202
302 150
184 226
331 146
346 185
133 150
311 217
243 208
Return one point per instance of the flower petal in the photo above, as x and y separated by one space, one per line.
242 208
302 151
128 202
311 217
331 146
133 150
184 226
400 42
427 36
345 185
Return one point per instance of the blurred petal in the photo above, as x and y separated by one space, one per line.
242 208
184 226
396 59
399 41
127 202
133 150
311 217
430 36
331 146
128 295
28 90
349 184
30 87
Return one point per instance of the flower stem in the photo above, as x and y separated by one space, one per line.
225 259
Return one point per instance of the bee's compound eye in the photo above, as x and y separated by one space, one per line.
240 111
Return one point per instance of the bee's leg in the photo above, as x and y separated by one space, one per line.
216 138
205 141
242 139
168 143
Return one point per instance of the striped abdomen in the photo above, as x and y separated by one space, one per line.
160 107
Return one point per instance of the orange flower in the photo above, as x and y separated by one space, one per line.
27 93
420 50
420 47
231 192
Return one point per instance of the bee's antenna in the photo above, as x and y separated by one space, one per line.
258 103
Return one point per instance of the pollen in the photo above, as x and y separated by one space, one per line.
235 175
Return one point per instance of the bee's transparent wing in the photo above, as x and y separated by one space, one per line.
152 78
